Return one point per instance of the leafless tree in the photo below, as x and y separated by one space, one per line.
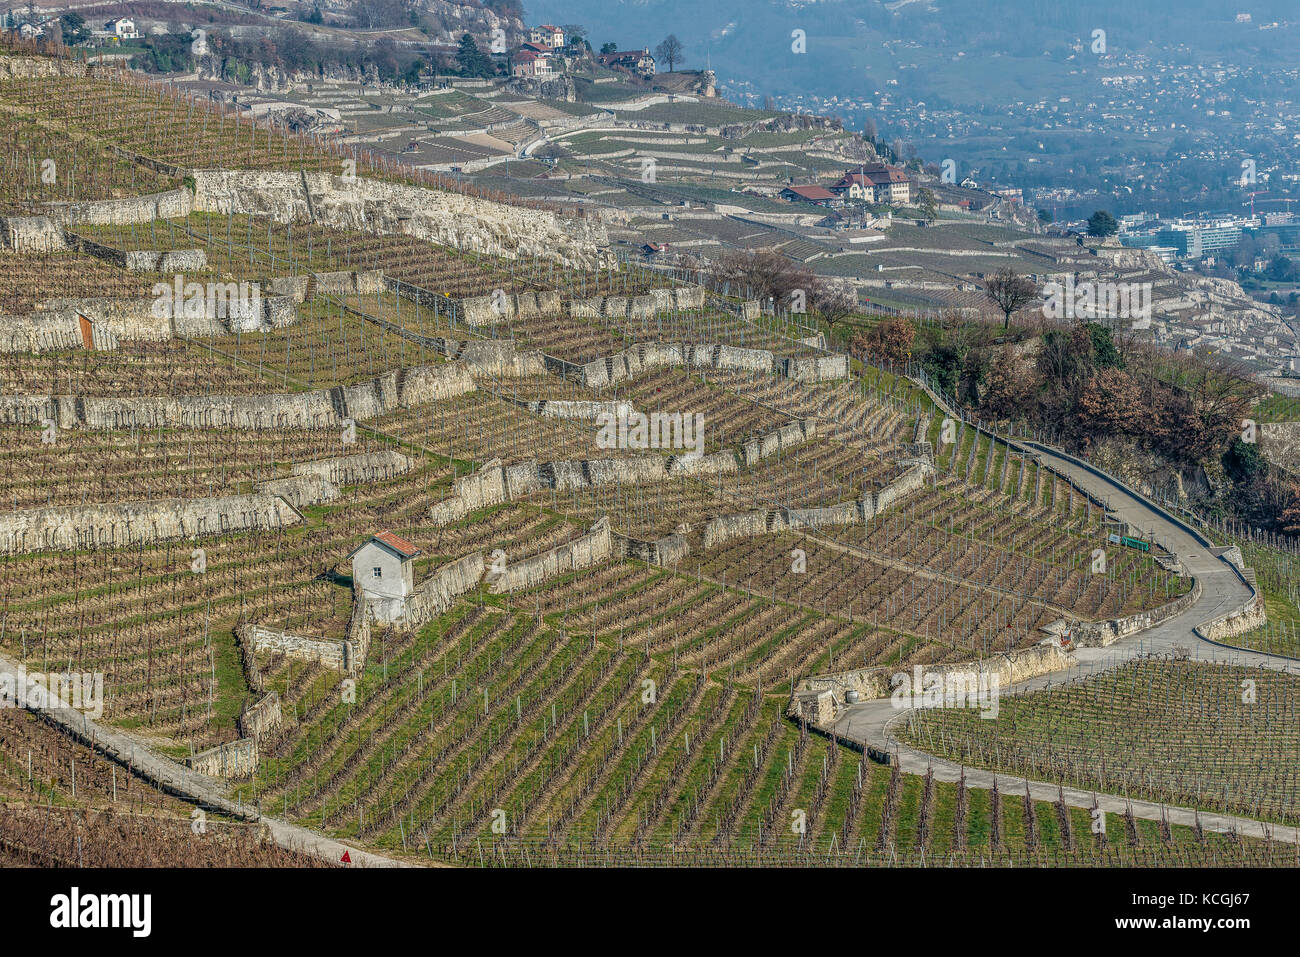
1009 291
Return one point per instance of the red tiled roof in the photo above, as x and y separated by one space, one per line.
887 176
399 545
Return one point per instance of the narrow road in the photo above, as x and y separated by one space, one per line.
1222 590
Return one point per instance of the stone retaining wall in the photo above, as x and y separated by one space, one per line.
819 699
236 759
493 484
647 357
595 547
381 207
724 528
436 593
328 652
65 527
259 720
321 409
1251 615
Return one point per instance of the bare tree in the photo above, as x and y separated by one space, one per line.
1009 291
764 274
670 51
834 302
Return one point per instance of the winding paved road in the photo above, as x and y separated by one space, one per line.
1222 591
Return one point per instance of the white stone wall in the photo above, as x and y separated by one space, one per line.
382 207
591 549
435 594
63 527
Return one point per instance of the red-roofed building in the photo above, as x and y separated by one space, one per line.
818 195
855 185
384 569
530 63
875 183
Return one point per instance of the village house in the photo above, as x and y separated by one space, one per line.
384 569
855 185
875 183
817 195
123 29
892 186
639 62
529 63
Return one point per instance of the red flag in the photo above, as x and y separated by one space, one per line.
345 858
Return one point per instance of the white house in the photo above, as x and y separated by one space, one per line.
123 29
384 568
548 35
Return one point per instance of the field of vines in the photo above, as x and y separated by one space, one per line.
1215 737
543 733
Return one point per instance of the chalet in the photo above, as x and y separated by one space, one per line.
639 62
651 250
547 35
817 195
384 569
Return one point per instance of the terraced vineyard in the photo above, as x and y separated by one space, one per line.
1154 727
596 646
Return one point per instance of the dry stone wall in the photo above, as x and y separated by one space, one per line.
374 206
300 490
819 699
321 409
31 234
724 528
324 651
1238 621
646 357
435 594
493 483
357 469
595 547
259 720
237 759
64 527
668 552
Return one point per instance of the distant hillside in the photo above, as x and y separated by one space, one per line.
857 46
